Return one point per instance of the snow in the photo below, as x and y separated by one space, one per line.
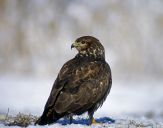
127 100
27 94
120 123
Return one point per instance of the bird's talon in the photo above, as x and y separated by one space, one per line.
94 121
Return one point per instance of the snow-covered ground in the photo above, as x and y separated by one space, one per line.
127 100
119 123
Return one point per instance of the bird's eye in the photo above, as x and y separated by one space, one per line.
82 42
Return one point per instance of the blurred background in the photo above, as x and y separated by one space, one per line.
35 40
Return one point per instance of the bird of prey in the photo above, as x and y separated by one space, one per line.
82 84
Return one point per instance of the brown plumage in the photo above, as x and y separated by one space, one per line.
82 84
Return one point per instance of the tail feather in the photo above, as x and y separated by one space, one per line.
48 118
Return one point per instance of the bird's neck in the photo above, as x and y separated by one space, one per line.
91 55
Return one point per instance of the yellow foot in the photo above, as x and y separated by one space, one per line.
94 121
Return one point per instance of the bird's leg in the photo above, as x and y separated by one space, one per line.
91 119
70 118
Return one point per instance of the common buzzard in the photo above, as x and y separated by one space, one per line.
82 84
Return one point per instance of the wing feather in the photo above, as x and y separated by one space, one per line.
78 88
83 88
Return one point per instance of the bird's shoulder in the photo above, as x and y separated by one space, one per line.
77 69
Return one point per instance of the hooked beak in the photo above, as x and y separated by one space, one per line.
74 45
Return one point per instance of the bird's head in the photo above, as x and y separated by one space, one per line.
89 46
